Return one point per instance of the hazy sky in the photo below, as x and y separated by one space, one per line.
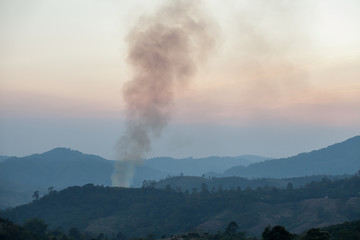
284 78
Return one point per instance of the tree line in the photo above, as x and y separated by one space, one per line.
137 212
37 229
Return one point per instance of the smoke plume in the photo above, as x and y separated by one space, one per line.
163 50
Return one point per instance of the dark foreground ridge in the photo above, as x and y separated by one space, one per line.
138 212
37 229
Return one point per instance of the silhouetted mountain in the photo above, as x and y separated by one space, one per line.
199 166
61 167
337 159
58 168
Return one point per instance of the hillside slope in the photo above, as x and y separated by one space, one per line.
63 167
138 212
190 184
337 159
58 168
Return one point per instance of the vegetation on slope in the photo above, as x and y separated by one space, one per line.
190 184
137 212
38 229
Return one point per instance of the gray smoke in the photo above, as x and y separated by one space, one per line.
163 51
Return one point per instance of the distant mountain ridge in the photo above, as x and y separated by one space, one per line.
340 158
60 167
63 167
199 166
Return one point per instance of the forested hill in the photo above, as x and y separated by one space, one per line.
63 167
191 184
138 212
337 159
60 167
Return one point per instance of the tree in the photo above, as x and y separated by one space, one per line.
64 237
316 234
168 188
100 236
11 231
266 233
204 188
276 233
75 233
120 236
50 189
149 184
36 225
231 232
36 195
232 228
150 236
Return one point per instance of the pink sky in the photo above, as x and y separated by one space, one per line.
276 64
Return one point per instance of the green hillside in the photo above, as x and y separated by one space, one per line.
138 212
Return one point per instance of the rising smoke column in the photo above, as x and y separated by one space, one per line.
163 51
